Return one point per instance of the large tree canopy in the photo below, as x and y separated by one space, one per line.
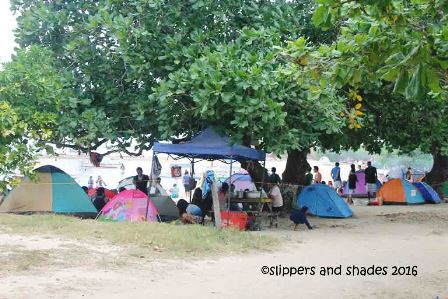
394 56
122 64
30 90
248 88
113 53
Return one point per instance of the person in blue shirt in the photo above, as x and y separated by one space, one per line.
186 180
188 212
299 217
174 191
336 176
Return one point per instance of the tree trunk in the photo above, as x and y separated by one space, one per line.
296 167
256 171
439 172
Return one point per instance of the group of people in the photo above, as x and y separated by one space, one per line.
371 178
99 198
200 204
297 216
98 183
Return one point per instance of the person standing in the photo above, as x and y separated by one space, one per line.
336 176
141 181
100 182
371 178
90 183
352 180
274 178
409 175
277 203
317 175
186 180
308 177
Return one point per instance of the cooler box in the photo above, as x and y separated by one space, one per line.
236 219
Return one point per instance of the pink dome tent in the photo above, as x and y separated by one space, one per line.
129 205
242 181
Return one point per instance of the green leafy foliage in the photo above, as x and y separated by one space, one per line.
15 153
401 48
250 90
114 53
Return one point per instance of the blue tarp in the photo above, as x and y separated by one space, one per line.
428 193
323 201
210 145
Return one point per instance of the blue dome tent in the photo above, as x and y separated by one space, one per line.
323 201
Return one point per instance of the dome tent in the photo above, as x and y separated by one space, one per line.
242 181
52 191
129 205
323 201
398 191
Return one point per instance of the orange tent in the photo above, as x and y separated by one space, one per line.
399 191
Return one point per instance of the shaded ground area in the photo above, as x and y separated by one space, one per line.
60 261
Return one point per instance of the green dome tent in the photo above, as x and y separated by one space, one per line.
53 191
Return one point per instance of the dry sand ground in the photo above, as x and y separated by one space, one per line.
384 236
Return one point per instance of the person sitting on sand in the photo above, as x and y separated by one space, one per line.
188 212
299 217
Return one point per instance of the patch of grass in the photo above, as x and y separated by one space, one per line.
144 239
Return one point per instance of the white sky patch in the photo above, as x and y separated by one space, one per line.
7 25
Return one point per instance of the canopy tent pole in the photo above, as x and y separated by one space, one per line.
230 192
192 175
150 185
260 207
262 176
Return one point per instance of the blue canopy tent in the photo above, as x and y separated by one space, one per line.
210 145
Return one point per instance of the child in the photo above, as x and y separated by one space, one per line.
174 191
352 180
299 217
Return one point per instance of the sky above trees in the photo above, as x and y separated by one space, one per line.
8 24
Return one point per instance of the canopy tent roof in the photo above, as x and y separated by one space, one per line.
210 145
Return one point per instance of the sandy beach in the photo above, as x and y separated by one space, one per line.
386 236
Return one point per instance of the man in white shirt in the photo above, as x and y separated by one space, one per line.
277 203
